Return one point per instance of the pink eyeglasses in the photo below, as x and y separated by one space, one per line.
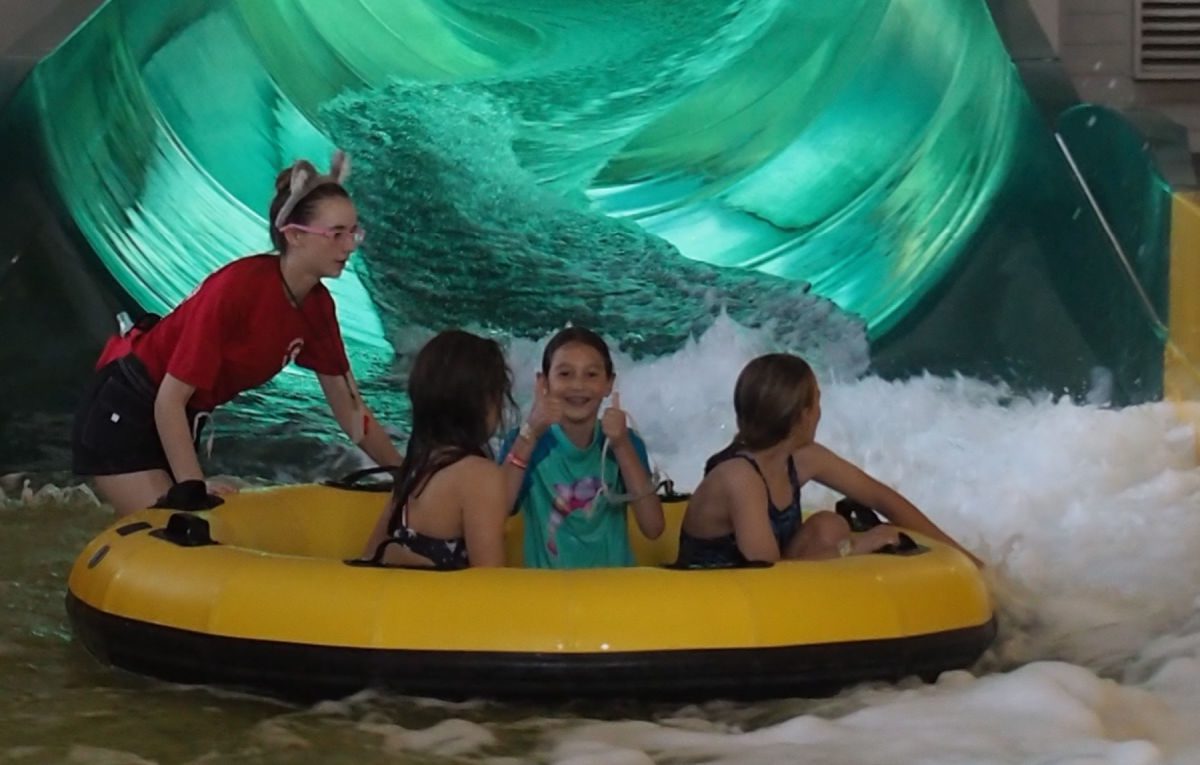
358 233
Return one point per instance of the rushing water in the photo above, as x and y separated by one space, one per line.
1086 515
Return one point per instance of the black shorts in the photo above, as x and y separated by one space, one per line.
114 431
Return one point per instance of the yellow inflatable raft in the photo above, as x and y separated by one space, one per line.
259 594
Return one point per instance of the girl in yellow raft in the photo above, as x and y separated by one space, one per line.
747 508
449 505
555 468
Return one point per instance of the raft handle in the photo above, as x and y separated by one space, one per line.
133 528
351 481
906 546
860 517
666 492
185 530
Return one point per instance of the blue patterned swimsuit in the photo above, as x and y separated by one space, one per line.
723 552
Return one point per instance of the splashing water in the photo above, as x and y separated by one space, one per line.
1086 516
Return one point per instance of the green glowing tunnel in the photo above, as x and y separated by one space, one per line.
874 174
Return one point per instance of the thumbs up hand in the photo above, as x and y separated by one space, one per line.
614 424
547 409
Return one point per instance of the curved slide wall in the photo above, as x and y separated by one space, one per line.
867 178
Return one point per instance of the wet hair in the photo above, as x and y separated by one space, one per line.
304 210
581 336
457 381
771 395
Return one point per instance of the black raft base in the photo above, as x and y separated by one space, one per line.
309 673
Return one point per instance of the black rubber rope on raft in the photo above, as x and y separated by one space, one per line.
351 481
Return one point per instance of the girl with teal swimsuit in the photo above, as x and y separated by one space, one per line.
574 499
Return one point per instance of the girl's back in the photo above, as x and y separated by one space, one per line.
739 511
740 480
449 498
447 513
437 510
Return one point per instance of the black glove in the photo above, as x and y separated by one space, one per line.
905 545
859 516
188 495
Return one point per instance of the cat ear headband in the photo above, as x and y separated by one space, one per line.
305 179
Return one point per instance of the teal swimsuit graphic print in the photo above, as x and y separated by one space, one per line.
570 498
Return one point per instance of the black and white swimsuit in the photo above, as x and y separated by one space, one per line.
442 553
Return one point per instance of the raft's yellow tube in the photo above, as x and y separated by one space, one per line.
278 577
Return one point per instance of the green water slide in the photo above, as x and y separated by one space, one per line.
899 185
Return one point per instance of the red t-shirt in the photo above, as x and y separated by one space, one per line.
238 330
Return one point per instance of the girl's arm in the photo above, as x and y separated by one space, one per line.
174 430
843 477
647 508
357 420
514 476
546 411
484 511
745 496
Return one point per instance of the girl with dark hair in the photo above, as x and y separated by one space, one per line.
735 516
555 465
448 506
137 426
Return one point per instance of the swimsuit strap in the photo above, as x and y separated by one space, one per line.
398 520
794 479
377 558
766 486
397 531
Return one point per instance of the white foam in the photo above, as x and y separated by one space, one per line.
22 494
276 735
1087 517
95 755
1045 712
449 738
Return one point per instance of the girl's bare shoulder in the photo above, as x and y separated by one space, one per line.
731 469
814 459
733 476
812 453
475 465
465 473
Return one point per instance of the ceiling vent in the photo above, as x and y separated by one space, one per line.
1167 34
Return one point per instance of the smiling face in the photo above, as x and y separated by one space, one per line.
579 379
325 254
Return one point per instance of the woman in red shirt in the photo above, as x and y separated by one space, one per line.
137 427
